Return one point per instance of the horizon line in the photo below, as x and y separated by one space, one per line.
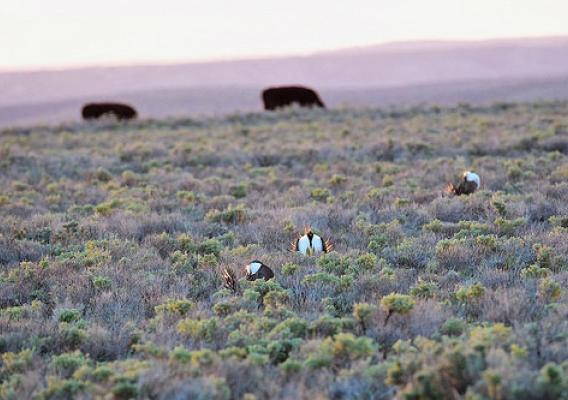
388 45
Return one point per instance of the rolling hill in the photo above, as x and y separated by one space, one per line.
396 73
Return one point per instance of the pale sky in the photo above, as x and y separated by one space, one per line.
66 33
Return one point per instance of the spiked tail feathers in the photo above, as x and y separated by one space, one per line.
230 280
294 245
451 189
327 246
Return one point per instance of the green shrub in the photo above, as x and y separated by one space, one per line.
552 381
125 389
233 351
101 282
453 327
388 180
14 313
362 312
320 194
240 190
400 203
333 263
276 299
291 367
341 350
534 271
387 273
500 207
289 269
559 221
223 309
174 306
366 261
72 334
198 329
252 296
16 362
107 207
384 235
507 226
103 175
470 293
328 325
321 278
471 229
424 290
181 355
491 335
183 262
435 226
546 258
395 374
210 246
102 373
186 196
549 290
279 350
337 180
426 385
62 388
395 303
67 363
186 243
130 178
69 315
208 261
231 215
202 358
290 328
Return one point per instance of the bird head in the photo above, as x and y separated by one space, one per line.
251 270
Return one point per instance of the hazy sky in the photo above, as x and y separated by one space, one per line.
40 33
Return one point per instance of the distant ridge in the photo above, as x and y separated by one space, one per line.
384 68
437 45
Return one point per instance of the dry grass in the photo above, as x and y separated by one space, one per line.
114 238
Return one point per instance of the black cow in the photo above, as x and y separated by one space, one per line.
283 96
118 110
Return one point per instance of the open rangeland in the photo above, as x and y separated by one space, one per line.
114 239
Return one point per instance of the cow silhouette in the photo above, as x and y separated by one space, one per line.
118 110
277 97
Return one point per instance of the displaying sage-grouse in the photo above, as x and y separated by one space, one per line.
469 184
257 270
310 243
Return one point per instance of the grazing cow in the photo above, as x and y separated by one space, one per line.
277 97
311 244
469 184
117 110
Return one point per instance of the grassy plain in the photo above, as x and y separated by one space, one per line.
113 238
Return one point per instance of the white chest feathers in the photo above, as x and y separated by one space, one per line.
472 177
307 247
253 267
